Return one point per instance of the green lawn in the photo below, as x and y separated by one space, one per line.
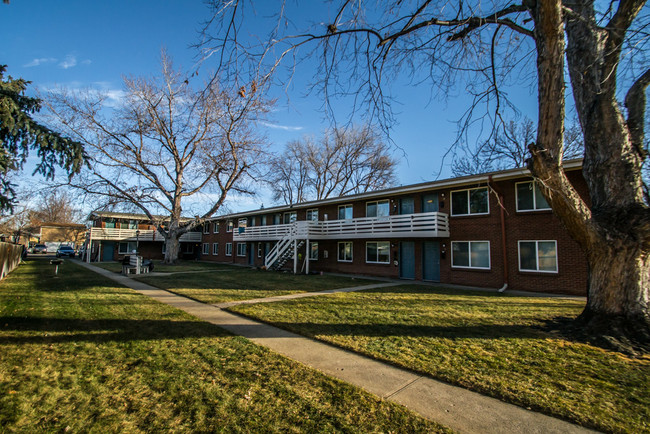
495 344
159 267
79 354
246 284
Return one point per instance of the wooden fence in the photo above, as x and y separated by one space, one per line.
10 255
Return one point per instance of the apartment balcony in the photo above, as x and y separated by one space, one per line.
110 234
424 225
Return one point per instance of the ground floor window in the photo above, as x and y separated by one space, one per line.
206 248
538 256
378 252
241 249
259 250
470 254
345 251
228 249
313 251
127 247
215 248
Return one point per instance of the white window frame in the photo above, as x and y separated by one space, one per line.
377 261
314 213
259 249
206 249
293 217
534 209
338 250
215 249
338 215
377 202
215 227
311 251
128 251
229 225
241 251
228 249
470 267
469 205
242 223
537 256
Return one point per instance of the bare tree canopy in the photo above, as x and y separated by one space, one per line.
344 161
508 148
596 49
55 207
164 144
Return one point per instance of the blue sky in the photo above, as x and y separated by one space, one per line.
94 43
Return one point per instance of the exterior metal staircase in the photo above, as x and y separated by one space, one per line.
283 250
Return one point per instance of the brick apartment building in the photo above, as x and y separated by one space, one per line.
485 230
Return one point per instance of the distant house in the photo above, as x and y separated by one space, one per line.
113 235
55 234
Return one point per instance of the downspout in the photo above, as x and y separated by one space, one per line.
503 235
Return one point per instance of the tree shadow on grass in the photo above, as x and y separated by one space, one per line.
60 330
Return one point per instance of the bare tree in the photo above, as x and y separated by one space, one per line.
164 144
344 161
489 45
508 148
55 206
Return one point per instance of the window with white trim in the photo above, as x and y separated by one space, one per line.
263 220
540 256
345 251
289 217
470 202
242 223
206 228
228 249
206 248
378 252
127 247
470 254
229 226
215 249
215 227
530 197
313 251
345 212
241 249
312 215
259 250
379 208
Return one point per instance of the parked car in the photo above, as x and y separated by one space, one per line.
39 248
65 251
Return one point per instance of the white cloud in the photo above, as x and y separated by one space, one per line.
70 61
39 61
281 127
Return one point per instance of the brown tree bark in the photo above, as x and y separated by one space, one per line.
613 229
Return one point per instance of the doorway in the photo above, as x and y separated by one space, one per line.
407 260
431 261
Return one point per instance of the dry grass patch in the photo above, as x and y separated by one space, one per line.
498 345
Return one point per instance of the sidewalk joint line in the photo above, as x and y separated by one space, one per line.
404 387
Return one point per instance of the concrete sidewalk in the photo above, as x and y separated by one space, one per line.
454 407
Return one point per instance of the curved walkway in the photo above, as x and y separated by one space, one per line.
454 407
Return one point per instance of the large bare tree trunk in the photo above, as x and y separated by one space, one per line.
613 230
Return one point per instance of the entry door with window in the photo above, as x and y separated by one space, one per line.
406 205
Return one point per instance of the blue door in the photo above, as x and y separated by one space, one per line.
406 206
108 248
430 203
407 260
431 261
251 254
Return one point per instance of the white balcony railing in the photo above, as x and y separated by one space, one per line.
424 225
110 234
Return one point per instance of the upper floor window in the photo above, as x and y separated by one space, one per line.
470 254
206 228
529 197
215 227
380 208
345 212
229 226
538 256
242 223
472 201
290 217
263 220
312 215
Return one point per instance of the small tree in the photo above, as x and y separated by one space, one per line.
344 161
20 134
164 144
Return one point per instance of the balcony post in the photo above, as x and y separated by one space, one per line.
307 252
295 256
